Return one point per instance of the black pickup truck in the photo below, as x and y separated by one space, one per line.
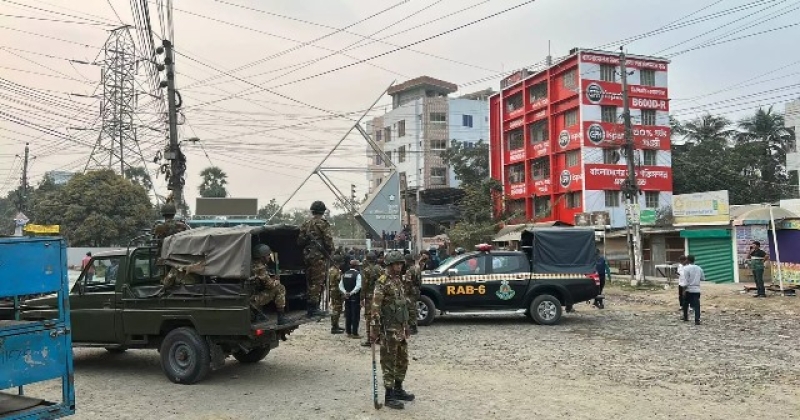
554 270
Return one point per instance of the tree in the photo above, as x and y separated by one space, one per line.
139 176
271 209
214 181
707 128
763 141
98 208
470 164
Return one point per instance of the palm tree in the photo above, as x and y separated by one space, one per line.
769 128
764 140
708 129
214 181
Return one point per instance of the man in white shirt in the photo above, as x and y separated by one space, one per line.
681 280
350 286
692 276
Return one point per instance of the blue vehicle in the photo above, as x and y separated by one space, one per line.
34 351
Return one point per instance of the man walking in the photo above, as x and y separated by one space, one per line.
681 280
603 270
350 288
757 258
317 242
334 276
692 275
390 322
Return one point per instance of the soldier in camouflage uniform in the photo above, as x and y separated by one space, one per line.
390 321
170 225
317 242
268 288
412 281
370 272
337 303
178 275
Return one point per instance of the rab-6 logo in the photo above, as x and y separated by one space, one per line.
465 290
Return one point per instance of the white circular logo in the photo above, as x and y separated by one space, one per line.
594 93
596 133
565 179
391 197
563 139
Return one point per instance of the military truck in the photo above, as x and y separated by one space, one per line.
195 325
554 271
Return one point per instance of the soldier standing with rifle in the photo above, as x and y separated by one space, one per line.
370 273
390 325
334 276
317 242
412 281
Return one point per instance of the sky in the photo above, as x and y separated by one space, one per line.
303 92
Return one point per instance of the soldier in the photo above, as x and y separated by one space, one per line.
370 273
170 225
334 276
269 288
317 242
390 320
412 282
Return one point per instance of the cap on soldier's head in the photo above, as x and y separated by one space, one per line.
371 256
261 250
318 207
168 209
409 258
355 263
393 257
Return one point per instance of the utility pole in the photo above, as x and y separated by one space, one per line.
630 187
23 199
173 152
353 210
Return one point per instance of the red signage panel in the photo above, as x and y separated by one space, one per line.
629 62
516 190
596 92
516 155
612 177
539 149
600 134
569 138
541 187
570 179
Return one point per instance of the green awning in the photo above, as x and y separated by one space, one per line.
706 233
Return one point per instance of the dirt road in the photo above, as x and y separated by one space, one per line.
633 360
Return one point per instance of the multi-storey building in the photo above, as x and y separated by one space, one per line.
556 137
413 134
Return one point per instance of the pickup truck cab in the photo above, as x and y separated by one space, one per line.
555 270
195 326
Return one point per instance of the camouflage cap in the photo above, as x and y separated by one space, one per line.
393 257
371 256
261 250
168 209
318 207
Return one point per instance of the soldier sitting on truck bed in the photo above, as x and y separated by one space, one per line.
179 275
268 288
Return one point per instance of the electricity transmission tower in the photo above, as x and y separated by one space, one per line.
118 132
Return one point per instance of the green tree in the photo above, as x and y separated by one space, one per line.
707 128
214 182
469 164
139 176
271 208
98 208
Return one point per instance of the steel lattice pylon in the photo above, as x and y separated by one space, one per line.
117 139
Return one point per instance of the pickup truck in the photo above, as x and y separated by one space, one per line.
195 327
554 270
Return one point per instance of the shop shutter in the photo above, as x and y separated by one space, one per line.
715 257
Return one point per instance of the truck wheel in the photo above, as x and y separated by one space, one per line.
185 356
426 311
546 310
116 349
253 356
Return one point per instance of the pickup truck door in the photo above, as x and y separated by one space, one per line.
466 286
93 302
508 279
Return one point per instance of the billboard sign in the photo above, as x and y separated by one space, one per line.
706 208
597 92
205 206
381 212
612 177
600 134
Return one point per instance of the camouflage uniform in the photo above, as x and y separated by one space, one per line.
412 282
315 232
178 276
370 273
168 228
390 316
337 303
272 290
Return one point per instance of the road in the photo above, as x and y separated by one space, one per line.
634 360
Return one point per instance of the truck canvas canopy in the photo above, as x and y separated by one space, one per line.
226 252
560 250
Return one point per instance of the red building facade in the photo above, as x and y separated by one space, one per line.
555 137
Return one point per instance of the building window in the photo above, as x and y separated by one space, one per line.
539 132
389 156
651 199
514 102
612 198
387 133
541 206
538 92
515 139
648 77
608 73
573 158
378 135
649 157
401 154
608 113
438 117
610 156
574 200
466 120
516 174
438 144
438 176
516 207
401 128
540 169
378 160
468 144
570 79
648 117
570 118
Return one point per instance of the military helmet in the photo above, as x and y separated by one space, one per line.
371 256
409 258
168 209
393 257
318 207
338 258
261 251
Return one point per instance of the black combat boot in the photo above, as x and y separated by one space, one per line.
414 330
400 393
314 311
281 318
391 401
335 329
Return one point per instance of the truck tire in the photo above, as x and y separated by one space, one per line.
426 311
185 356
546 310
116 349
253 356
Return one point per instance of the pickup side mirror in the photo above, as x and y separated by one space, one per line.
452 272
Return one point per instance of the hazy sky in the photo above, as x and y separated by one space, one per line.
248 136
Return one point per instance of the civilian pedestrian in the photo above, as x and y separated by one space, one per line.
350 286
89 272
681 280
692 275
757 258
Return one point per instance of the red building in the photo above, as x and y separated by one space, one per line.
555 137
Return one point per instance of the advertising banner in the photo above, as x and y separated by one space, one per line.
597 92
631 62
600 134
569 138
612 177
570 179
541 187
704 208
540 149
